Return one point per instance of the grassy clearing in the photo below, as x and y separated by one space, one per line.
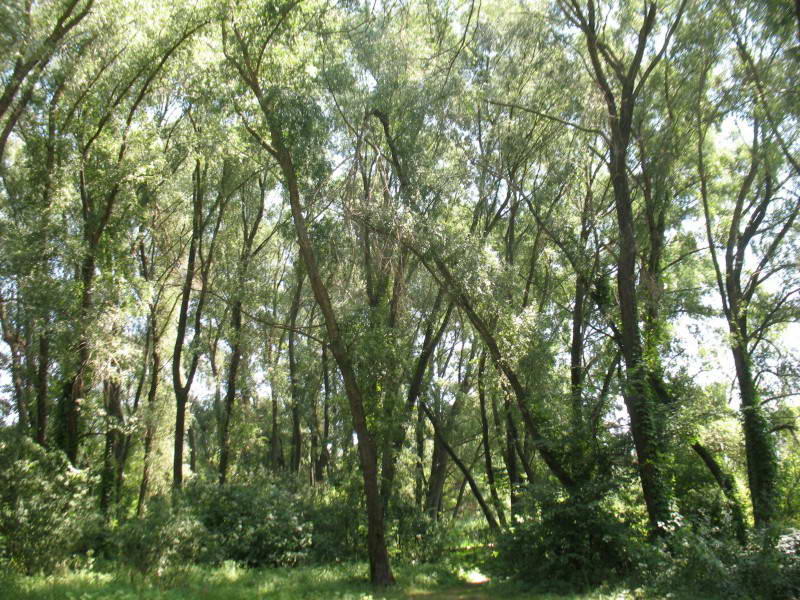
229 582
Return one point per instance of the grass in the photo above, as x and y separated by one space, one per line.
229 582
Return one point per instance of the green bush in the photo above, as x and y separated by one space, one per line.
45 506
576 543
340 529
770 568
692 560
416 537
164 538
259 524
339 521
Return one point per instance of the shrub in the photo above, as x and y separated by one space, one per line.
575 544
45 506
692 560
257 525
339 526
416 536
164 538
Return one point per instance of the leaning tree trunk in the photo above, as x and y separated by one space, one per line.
466 471
487 450
380 570
727 484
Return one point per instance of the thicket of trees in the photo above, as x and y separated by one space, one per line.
533 263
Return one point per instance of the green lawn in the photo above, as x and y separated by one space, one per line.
341 582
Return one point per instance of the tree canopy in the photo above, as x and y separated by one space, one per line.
527 264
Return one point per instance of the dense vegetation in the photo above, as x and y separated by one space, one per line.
293 283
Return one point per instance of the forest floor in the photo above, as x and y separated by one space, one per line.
338 582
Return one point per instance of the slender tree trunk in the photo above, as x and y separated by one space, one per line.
441 452
11 337
394 443
487 512
487 451
576 358
41 388
323 456
459 498
80 383
192 435
646 425
128 438
419 469
746 219
514 479
230 390
297 441
181 387
275 451
152 393
462 487
276 456
249 231
727 484
113 444
181 398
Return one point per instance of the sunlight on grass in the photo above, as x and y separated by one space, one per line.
473 576
232 582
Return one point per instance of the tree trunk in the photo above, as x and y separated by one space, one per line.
419 469
487 451
11 337
395 442
41 388
323 456
275 452
192 435
230 390
276 456
487 512
433 498
297 441
762 462
646 425
727 484
576 374
80 383
149 416
380 570
181 387
113 445
181 398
